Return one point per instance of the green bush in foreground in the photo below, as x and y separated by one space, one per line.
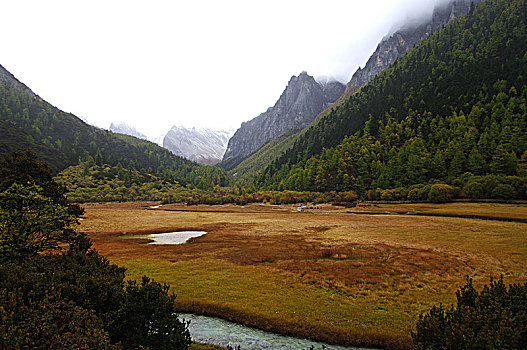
74 299
147 317
495 318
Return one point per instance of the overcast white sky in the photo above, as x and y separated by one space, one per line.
154 64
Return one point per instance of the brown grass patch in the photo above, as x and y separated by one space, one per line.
352 279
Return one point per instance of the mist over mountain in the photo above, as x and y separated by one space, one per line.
451 109
202 145
407 36
301 101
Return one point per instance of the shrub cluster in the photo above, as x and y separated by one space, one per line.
240 197
468 186
495 318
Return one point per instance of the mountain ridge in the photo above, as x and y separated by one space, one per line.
300 102
451 108
124 128
202 145
8 79
63 139
391 47
397 44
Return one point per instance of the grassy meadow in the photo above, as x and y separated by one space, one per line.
322 273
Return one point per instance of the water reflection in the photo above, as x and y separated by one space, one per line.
180 237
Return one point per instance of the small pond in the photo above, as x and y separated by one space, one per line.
180 237
220 332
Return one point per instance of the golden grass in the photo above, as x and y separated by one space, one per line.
462 209
351 279
493 210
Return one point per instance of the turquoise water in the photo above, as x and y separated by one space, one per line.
220 332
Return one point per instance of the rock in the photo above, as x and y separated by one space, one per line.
397 44
202 145
301 101
123 128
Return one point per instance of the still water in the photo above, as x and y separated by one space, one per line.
180 237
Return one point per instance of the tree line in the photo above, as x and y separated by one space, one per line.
456 103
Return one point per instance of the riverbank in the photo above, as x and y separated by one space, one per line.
349 279
218 331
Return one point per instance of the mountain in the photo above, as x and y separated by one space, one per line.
394 46
123 128
249 167
9 81
301 101
202 145
452 108
63 140
389 49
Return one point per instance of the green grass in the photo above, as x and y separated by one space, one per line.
256 162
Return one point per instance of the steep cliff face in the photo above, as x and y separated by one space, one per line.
397 44
302 100
202 145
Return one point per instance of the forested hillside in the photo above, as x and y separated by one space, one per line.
63 140
249 168
454 104
389 49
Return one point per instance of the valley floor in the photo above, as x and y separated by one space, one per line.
355 276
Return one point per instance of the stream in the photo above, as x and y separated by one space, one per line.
217 331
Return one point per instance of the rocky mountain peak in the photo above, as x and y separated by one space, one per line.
394 46
301 101
202 145
123 128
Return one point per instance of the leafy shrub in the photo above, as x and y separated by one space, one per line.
373 195
31 223
147 317
49 324
413 194
494 318
474 190
388 195
441 193
503 191
135 315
